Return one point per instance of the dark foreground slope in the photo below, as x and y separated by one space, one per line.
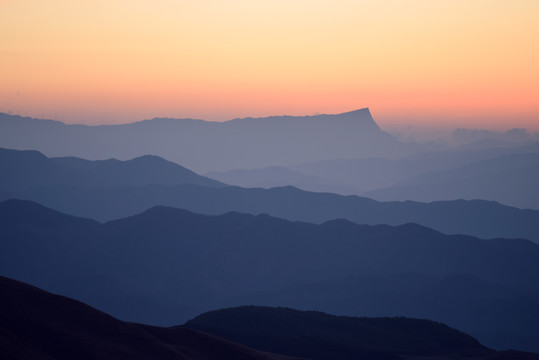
36 325
167 265
327 337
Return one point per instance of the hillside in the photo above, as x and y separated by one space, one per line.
167 265
31 169
111 189
36 325
485 219
326 337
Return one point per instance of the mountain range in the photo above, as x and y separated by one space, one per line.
210 146
511 180
167 265
37 325
279 176
111 189
505 175
27 169
150 241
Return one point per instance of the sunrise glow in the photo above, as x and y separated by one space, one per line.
422 62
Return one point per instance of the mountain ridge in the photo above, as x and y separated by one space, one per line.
360 111
37 325
288 325
31 168
509 179
269 141
168 264
484 219
109 189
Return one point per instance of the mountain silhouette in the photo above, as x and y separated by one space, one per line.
321 336
357 176
510 179
167 265
349 176
37 325
24 169
111 189
210 146
485 219
278 176
476 138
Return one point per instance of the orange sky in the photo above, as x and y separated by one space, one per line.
446 62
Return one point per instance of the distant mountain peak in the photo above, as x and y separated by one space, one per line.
364 115
29 169
362 111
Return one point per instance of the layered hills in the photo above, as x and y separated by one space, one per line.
111 189
510 179
506 175
148 240
28 169
167 265
39 325
326 337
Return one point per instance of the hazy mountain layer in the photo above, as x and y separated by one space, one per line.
167 265
26 169
110 189
210 146
478 218
373 173
277 176
512 180
506 175
476 137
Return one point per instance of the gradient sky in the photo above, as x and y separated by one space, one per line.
471 63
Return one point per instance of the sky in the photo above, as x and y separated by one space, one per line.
443 63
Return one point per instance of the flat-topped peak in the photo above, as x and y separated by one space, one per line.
362 111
